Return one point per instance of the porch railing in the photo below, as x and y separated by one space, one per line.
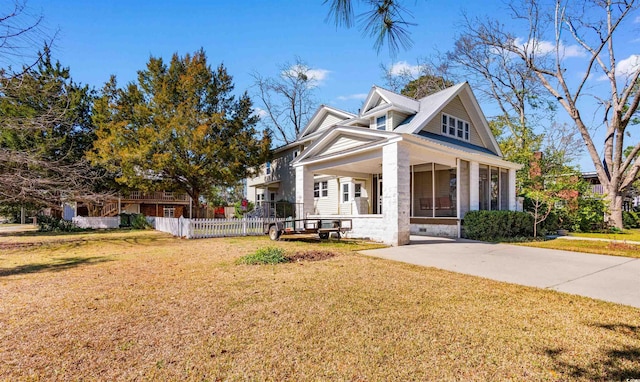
164 196
597 189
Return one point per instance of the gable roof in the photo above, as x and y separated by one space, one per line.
317 118
362 138
432 105
390 98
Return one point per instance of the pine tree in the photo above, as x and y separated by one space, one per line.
179 127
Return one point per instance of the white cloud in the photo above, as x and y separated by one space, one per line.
628 66
403 67
543 47
624 68
358 96
261 113
317 76
636 20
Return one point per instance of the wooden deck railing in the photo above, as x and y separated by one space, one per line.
161 196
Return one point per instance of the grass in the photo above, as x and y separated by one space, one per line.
266 255
589 246
146 306
628 235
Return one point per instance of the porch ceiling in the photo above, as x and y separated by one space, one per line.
371 162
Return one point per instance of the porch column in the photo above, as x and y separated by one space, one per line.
304 191
396 193
512 190
474 186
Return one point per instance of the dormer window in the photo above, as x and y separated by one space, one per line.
454 127
381 123
268 168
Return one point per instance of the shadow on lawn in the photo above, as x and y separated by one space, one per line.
615 364
61 265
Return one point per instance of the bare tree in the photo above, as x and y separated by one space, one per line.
21 34
428 76
502 79
287 100
42 113
594 27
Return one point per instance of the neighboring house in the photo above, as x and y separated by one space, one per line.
399 167
159 204
631 200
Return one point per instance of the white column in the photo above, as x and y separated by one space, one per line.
512 189
304 191
396 193
474 182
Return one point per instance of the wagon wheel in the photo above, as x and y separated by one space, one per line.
274 233
323 235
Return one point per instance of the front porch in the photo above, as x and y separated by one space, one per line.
401 187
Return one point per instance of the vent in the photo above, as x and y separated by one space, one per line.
422 230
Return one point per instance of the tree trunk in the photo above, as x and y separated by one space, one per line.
196 205
614 218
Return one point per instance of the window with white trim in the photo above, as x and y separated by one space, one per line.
268 168
381 123
357 190
169 212
321 189
456 128
345 192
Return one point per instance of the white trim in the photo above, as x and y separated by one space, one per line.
321 112
445 128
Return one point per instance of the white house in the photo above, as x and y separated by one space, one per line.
399 167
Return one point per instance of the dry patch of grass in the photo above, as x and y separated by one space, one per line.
589 246
151 307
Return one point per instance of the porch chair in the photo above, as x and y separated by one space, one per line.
425 203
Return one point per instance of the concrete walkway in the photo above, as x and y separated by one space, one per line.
610 278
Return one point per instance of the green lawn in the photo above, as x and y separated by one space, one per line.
629 235
588 246
147 306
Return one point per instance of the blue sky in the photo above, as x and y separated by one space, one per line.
100 38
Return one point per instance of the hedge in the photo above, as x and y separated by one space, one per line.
493 225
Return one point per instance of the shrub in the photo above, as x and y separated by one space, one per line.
135 221
53 224
238 212
267 255
589 216
493 225
630 219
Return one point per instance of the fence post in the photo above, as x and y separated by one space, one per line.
244 226
180 220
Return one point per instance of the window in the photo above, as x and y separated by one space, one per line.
381 123
296 153
357 190
455 128
169 212
268 168
321 189
345 192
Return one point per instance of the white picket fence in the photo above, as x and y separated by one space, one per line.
96 222
204 228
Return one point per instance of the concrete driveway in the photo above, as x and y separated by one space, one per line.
609 278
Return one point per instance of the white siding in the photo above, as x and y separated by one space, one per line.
455 108
344 143
396 118
328 205
328 121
